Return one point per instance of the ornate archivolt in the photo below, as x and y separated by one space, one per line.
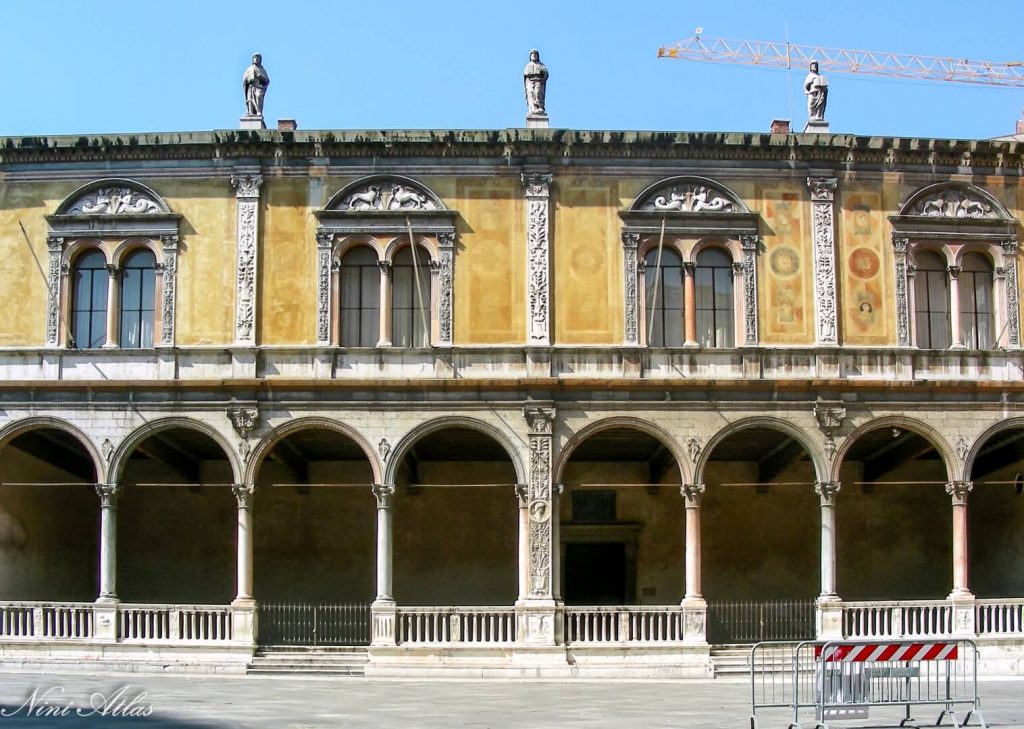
388 207
695 208
957 218
106 213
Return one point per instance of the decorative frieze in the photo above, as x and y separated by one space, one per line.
538 258
247 190
386 195
688 197
954 202
899 247
445 283
113 200
1010 248
55 245
324 252
630 243
540 507
750 244
168 297
823 226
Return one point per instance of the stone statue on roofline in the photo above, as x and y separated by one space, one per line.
254 85
535 82
816 90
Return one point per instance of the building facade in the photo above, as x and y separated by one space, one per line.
508 402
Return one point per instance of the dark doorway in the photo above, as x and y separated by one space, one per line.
595 574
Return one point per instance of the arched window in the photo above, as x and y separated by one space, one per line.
931 302
713 291
410 303
977 316
664 288
138 299
360 298
89 300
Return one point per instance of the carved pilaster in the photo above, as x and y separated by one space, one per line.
445 283
55 245
538 258
823 226
1012 294
247 192
900 244
630 243
750 244
540 503
168 296
324 252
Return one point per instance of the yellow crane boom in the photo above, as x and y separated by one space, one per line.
773 54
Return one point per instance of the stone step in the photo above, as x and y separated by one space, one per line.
311 661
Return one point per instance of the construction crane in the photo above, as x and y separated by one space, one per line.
841 60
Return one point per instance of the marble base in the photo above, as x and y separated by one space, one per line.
250 121
816 126
537 121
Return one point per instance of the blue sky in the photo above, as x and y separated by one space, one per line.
83 68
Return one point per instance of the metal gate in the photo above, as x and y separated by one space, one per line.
307 624
753 622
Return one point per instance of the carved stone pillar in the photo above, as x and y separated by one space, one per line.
247 192
827 491
445 283
899 247
958 492
538 258
168 288
523 550
823 226
324 252
631 326
750 244
689 305
55 245
694 606
244 494
113 306
335 311
1012 294
383 610
108 494
955 329
537 613
385 304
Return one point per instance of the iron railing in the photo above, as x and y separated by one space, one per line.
313 624
753 622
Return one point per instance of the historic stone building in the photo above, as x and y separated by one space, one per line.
517 402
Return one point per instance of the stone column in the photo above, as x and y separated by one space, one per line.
523 546
958 491
633 269
903 308
168 286
55 245
823 227
1012 303
694 606
956 333
108 494
244 495
827 491
113 306
689 306
537 186
383 609
247 192
750 244
385 304
537 613
335 307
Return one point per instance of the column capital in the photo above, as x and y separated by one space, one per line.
384 492
385 267
536 184
112 269
55 243
324 239
247 185
108 494
539 419
826 491
822 188
953 271
244 494
692 493
959 491
522 494
630 239
750 241
1010 246
689 267
900 243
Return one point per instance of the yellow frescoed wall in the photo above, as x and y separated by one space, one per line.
786 292
865 267
490 262
587 262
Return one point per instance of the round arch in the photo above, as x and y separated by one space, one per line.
128 246
730 246
396 244
816 454
651 192
920 196
275 436
12 430
149 201
123 452
368 182
409 439
644 426
348 243
898 421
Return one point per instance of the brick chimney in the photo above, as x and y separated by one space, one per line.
780 126
287 125
1020 126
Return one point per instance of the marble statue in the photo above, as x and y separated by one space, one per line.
254 84
816 89
535 81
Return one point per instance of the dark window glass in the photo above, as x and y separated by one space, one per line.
89 300
410 304
360 298
138 299
664 289
977 316
713 294
931 302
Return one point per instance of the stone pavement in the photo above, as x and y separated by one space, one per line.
215 702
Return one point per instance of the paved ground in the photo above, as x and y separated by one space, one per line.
296 703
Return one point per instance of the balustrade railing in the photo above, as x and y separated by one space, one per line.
46 620
917 619
993 618
746 621
628 624
456 625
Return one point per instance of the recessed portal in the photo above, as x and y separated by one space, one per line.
595 574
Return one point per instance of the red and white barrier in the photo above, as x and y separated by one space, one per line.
887 652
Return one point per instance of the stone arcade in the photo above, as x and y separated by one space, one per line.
507 402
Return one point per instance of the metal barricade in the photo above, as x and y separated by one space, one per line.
842 680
